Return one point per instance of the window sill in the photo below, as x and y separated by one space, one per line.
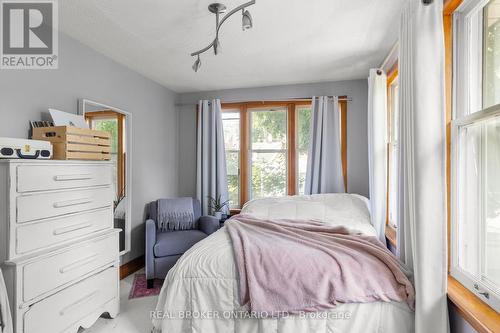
235 211
479 315
390 234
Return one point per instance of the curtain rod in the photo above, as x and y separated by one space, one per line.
290 99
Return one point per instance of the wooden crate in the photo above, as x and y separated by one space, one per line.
72 143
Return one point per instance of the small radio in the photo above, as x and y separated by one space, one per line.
25 149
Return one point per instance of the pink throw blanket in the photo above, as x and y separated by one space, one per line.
293 266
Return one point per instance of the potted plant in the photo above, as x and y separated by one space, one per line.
216 205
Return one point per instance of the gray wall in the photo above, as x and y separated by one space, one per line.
357 142
457 323
84 73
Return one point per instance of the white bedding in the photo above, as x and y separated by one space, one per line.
204 284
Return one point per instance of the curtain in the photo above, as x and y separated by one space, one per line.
377 149
211 175
324 161
5 317
421 233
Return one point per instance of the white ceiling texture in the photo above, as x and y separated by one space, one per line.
292 41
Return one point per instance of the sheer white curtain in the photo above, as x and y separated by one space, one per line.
421 233
211 174
324 161
377 149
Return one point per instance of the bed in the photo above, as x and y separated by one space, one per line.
201 292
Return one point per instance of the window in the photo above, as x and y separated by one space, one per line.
268 152
113 122
303 138
476 151
266 148
392 153
231 125
393 118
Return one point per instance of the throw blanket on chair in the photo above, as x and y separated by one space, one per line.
293 266
175 214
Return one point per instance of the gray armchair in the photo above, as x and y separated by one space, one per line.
163 248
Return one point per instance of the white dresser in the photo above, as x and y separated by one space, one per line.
58 248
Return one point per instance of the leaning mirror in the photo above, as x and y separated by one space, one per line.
118 122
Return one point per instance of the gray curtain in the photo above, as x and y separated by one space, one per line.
324 162
211 174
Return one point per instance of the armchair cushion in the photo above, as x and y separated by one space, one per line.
208 224
177 242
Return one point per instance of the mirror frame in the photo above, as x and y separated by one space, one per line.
82 104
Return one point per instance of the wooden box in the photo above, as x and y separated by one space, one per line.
73 143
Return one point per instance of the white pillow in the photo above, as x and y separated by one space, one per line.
335 209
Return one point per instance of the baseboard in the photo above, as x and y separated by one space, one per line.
131 267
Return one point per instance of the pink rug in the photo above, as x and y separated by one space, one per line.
140 289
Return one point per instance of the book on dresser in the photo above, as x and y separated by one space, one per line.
58 249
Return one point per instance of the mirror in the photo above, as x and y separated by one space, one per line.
118 122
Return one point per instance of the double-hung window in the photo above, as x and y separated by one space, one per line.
268 152
231 124
113 122
476 150
393 146
267 146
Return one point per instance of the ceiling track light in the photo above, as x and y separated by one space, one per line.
217 9
197 64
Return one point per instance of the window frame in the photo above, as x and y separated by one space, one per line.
292 169
466 109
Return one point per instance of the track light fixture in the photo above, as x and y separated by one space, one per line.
217 47
217 9
246 22
197 64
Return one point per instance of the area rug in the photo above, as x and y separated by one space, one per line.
140 288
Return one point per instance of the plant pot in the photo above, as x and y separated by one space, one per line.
218 215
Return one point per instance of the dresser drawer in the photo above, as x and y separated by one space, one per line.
55 177
65 309
39 206
48 273
30 237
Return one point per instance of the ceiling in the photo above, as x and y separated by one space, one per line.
292 41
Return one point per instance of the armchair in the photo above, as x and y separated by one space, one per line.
163 248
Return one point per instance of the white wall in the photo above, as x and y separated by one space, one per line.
84 73
357 144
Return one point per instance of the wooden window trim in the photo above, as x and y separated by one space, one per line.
121 158
390 232
291 142
478 314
